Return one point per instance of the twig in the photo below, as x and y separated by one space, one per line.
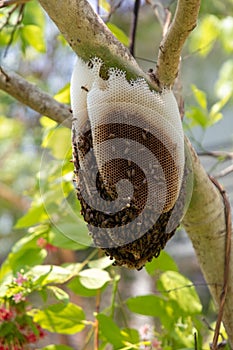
195 341
223 295
112 10
5 3
32 96
19 20
7 194
225 171
134 26
183 23
217 154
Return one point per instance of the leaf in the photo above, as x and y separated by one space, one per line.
203 38
198 117
58 141
119 34
94 278
52 273
130 335
226 33
60 318
34 36
34 215
150 305
105 5
101 263
163 263
224 85
110 331
63 95
33 14
59 293
200 97
214 114
180 290
76 287
76 231
58 239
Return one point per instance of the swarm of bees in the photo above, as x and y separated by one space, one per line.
123 133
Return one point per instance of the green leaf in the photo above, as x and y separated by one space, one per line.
76 231
130 335
94 278
214 114
76 287
101 263
58 141
119 34
200 97
198 117
34 36
224 85
110 331
25 258
105 5
203 38
33 14
58 239
52 273
59 293
60 318
63 95
163 263
34 215
150 305
180 290
226 33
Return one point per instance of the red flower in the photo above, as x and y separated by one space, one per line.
43 243
31 338
5 315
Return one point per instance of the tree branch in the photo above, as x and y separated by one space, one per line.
33 97
184 21
205 224
7 194
88 36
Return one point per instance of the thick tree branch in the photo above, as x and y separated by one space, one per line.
30 95
205 223
88 36
184 22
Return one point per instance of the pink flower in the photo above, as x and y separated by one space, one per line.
18 297
156 344
146 332
41 242
20 279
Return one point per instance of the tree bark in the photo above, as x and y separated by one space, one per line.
30 95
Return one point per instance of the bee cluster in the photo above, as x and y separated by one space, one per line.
133 249
128 153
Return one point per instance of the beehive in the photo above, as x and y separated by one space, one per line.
128 153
